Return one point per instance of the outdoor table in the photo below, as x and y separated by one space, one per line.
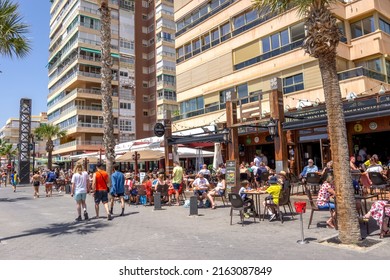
256 196
364 198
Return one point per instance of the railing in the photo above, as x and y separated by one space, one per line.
361 71
164 97
78 143
268 55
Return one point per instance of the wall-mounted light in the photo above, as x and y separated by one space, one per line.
287 108
351 96
382 90
303 103
316 102
273 127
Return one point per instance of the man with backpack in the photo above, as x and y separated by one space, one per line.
50 179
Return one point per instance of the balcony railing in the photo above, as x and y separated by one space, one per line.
78 143
359 72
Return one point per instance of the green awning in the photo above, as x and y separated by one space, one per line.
90 50
98 52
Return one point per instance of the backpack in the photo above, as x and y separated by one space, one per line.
51 177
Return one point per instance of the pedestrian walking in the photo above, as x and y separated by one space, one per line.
80 188
36 181
14 180
50 179
117 189
100 183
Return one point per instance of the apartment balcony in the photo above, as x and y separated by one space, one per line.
82 127
374 43
166 70
80 110
358 8
166 85
78 145
84 93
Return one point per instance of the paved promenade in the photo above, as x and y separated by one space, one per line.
44 228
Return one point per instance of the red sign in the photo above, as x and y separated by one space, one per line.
9 166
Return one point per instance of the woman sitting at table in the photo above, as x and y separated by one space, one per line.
376 213
218 190
327 191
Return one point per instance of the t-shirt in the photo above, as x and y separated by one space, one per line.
51 177
117 183
80 182
177 174
201 183
242 193
101 180
274 190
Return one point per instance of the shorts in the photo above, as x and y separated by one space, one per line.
101 196
36 183
118 194
176 186
326 206
134 192
80 196
49 184
200 192
220 192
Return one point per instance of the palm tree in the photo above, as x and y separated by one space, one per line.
48 132
8 150
12 31
106 89
321 42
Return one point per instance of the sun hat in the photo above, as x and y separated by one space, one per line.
273 180
283 173
128 175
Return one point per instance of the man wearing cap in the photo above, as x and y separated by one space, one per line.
272 200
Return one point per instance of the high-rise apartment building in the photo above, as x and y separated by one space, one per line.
225 46
140 58
10 134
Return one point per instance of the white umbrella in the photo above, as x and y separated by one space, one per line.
217 155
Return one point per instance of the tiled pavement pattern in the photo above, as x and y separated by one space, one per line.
44 228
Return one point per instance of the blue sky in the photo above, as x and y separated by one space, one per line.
27 77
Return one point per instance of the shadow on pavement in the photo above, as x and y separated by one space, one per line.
58 229
22 198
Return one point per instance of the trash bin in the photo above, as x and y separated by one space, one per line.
300 207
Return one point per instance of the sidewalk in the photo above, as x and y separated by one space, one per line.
44 228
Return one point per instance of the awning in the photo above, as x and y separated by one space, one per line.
145 155
98 51
91 160
218 137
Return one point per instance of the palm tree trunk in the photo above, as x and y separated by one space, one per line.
49 150
349 230
106 74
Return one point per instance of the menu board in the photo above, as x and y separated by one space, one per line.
230 174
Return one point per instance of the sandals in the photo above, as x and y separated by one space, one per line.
214 207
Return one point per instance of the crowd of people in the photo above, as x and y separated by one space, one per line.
205 185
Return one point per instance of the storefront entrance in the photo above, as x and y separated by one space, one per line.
375 142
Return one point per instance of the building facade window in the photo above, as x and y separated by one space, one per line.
362 27
384 26
293 83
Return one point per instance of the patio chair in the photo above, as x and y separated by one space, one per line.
313 180
295 182
314 208
285 199
378 182
237 204
222 196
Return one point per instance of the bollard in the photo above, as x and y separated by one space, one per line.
157 201
193 205
300 207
